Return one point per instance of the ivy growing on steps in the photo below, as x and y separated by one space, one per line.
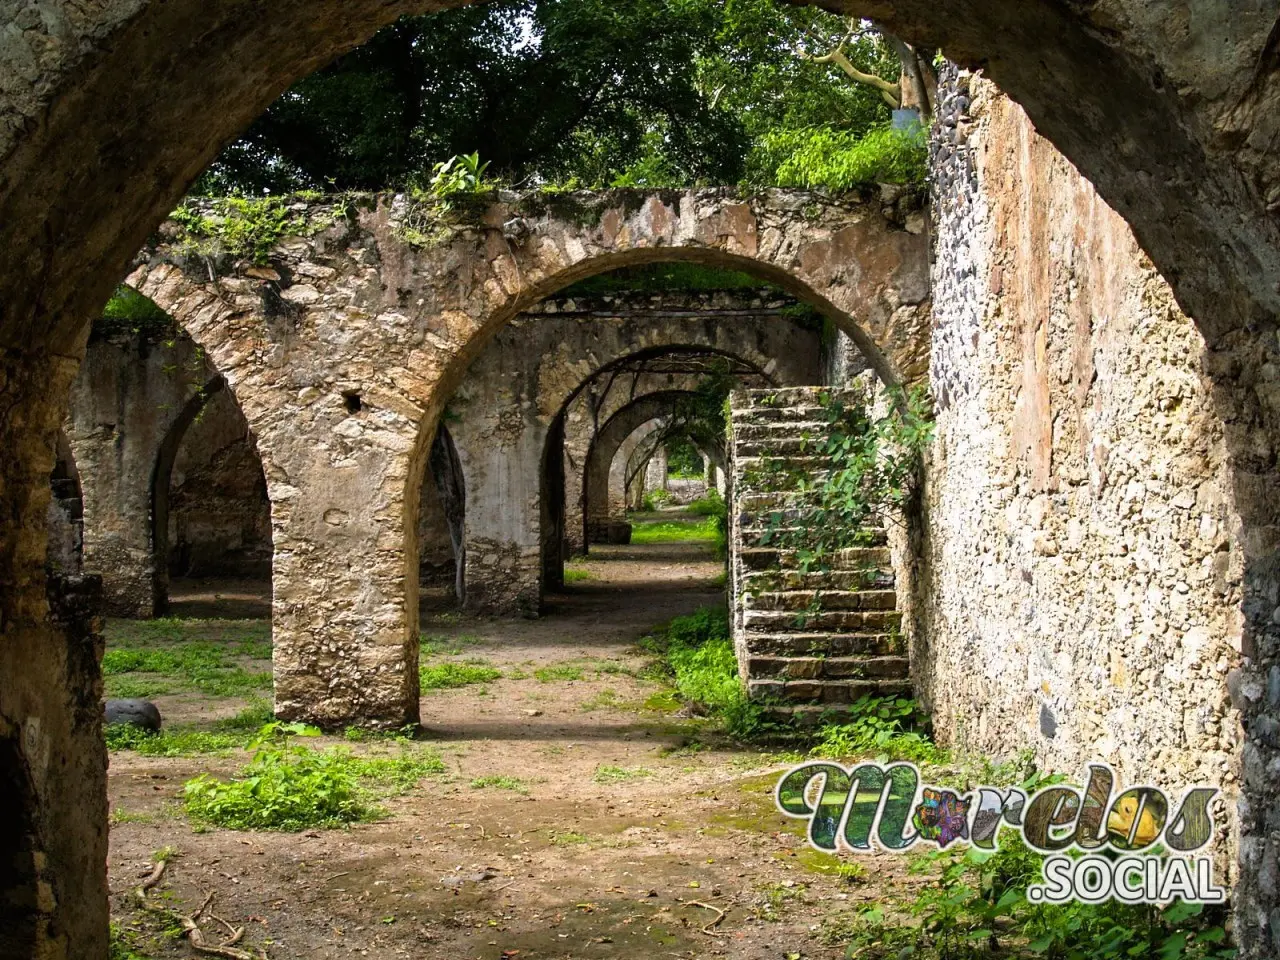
868 468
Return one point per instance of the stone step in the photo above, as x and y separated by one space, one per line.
822 600
785 396
825 691
782 447
752 530
777 428
823 644
829 668
872 578
782 417
850 558
824 621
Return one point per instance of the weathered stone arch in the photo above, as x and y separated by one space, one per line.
117 107
615 432
579 360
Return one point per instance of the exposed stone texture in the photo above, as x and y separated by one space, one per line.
133 396
342 365
219 516
582 362
66 514
109 110
809 640
52 758
1080 579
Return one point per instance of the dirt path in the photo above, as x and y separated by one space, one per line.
622 831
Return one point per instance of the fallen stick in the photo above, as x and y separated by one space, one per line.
190 928
718 912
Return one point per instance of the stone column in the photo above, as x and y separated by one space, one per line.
52 759
502 471
655 475
131 400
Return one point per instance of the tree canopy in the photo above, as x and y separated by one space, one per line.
589 93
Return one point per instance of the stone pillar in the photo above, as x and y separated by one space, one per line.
130 399
344 612
655 475
52 759
503 549
619 502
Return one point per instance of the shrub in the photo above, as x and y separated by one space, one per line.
837 160
283 788
895 727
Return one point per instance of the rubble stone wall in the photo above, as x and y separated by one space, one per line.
132 394
1078 590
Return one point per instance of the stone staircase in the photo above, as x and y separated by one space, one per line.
807 642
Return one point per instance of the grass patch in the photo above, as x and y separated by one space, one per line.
441 645
449 676
290 787
697 658
495 782
169 743
608 774
569 838
251 718
558 671
577 575
404 734
606 699
154 657
667 531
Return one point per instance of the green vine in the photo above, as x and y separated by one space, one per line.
872 465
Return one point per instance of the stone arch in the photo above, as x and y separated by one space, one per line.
617 429
115 122
583 422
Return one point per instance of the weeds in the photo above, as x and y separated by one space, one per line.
169 743
567 672
497 782
448 676
167 655
977 907
290 787
892 727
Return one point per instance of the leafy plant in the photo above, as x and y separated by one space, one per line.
873 463
837 160
243 227
290 787
893 727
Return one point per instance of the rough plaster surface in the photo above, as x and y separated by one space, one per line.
1078 588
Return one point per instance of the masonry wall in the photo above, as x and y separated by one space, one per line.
219 515
1078 586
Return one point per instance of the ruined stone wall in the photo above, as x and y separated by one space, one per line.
1079 587
133 392
566 357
